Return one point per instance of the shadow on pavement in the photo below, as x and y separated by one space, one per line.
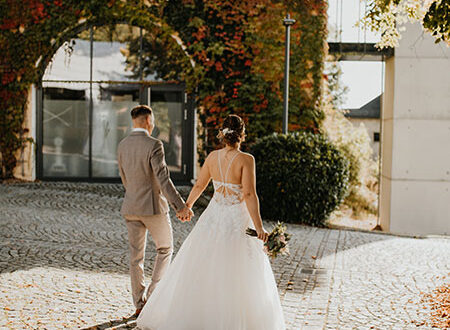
124 323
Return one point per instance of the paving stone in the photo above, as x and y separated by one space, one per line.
64 264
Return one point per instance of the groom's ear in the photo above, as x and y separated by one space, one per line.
150 121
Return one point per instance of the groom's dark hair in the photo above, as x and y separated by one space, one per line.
141 111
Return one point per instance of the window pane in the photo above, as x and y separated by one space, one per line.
168 109
342 18
73 65
66 130
364 81
111 123
116 53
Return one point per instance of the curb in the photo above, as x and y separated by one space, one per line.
379 232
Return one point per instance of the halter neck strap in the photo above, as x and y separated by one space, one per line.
228 168
220 166
229 165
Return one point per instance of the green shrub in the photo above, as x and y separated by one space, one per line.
301 177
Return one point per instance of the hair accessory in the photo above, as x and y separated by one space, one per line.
227 130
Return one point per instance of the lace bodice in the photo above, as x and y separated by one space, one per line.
226 193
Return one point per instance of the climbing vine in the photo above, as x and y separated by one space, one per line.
229 53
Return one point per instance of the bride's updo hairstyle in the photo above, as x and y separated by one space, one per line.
233 130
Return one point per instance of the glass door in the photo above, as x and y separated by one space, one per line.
174 127
168 112
78 143
111 123
65 138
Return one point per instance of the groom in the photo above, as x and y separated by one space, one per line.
148 187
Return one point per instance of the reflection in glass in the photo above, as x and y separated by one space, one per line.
70 62
66 130
111 123
114 53
168 112
342 18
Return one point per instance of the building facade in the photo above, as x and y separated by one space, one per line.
369 116
80 110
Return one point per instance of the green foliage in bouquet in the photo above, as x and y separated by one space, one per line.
301 177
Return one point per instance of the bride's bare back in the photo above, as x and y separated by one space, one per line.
239 170
226 191
228 165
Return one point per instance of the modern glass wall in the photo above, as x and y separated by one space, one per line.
169 117
87 93
343 16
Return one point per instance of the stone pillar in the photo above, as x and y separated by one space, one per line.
26 157
415 172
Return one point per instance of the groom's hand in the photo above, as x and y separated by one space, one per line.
185 214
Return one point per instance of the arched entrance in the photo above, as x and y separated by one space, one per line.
83 104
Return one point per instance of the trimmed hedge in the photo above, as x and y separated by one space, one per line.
301 177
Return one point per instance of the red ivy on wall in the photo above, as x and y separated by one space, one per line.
237 47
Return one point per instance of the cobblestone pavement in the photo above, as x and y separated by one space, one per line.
63 263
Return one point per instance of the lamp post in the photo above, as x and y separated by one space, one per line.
287 22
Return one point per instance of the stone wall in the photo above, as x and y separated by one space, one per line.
415 183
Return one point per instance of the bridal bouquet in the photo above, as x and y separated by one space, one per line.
277 241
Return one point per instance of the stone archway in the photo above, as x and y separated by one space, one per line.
45 59
32 33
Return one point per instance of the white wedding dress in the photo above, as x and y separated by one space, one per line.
220 279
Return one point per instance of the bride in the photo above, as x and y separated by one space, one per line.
220 279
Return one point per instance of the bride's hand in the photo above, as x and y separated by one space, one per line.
262 234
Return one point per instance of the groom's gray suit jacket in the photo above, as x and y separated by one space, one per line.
145 176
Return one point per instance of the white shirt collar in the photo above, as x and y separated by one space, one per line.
138 129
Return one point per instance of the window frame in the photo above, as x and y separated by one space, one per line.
145 89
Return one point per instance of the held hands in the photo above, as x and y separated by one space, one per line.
185 214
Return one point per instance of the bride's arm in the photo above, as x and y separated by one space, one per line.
202 182
250 195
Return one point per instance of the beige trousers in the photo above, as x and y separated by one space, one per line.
160 229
